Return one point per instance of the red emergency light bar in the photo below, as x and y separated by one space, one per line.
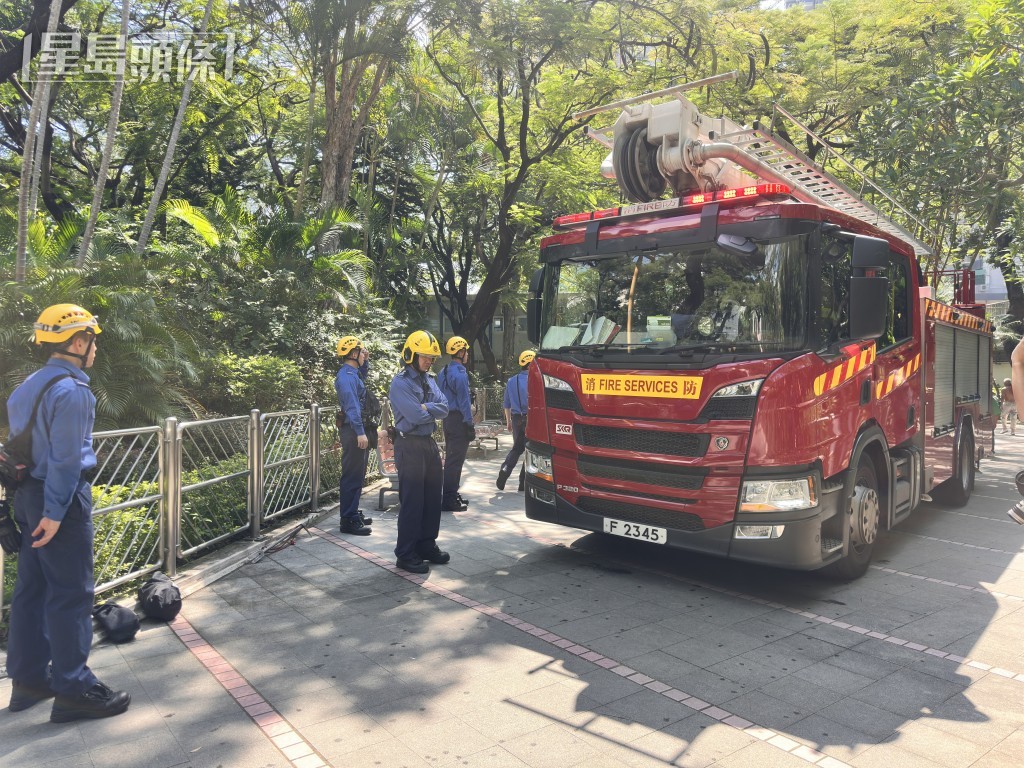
674 204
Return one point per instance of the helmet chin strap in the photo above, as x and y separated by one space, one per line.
83 358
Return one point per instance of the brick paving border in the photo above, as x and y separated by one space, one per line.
836 623
299 752
767 735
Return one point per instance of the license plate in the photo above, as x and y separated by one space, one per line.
635 531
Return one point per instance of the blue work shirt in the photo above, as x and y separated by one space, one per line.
454 383
62 433
351 396
515 394
410 391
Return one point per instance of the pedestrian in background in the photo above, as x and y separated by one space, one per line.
1008 407
515 419
1016 512
416 403
51 610
351 391
459 431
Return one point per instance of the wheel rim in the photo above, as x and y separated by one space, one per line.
864 517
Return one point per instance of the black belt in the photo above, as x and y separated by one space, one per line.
410 436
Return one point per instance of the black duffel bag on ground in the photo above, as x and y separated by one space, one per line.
119 624
159 598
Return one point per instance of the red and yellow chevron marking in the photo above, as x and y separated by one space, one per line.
897 377
948 314
844 371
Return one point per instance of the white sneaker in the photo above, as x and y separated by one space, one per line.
1016 512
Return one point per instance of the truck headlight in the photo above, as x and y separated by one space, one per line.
552 382
743 389
778 495
539 465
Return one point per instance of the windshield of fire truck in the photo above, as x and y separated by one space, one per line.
681 298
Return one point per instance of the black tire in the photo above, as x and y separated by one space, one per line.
864 514
956 491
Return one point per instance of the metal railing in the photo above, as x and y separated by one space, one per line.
165 493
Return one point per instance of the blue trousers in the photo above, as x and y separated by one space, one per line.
456 446
518 445
419 492
353 472
51 609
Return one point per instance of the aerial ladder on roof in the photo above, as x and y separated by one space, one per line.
656 146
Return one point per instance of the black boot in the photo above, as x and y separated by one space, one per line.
24 696
354 526
453 505
502 477
366 520
436 555
98 701
413 566
462 501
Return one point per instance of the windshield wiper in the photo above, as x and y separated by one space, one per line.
591 348
717 345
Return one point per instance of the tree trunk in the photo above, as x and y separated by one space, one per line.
172 143
481 313
36 117
108 151
307 152
343 130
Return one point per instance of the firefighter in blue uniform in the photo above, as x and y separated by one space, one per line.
51 609
416 403
515 419
459 431
354 442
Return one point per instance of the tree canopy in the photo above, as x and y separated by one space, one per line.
342 167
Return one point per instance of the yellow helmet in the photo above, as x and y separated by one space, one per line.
420 343
58 323
455 345
347 344
526 358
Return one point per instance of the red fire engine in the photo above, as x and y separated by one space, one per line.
754 368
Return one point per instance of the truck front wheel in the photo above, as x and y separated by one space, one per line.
864 516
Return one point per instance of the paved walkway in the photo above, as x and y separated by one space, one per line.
540 646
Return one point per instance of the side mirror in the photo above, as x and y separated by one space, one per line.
869 299
534 307
869 253
533 312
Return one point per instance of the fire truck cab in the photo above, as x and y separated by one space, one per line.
754 368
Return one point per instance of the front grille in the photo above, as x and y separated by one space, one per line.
729 408
642 472
640 494
560 398
633 513
643 440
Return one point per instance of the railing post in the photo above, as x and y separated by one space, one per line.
314 457
255 464
170 496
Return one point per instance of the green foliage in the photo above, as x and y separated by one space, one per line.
233 385
143 364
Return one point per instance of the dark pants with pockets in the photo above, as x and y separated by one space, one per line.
456 446
51 609
353 473
419 493
518 446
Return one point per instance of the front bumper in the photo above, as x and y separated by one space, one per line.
802 545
